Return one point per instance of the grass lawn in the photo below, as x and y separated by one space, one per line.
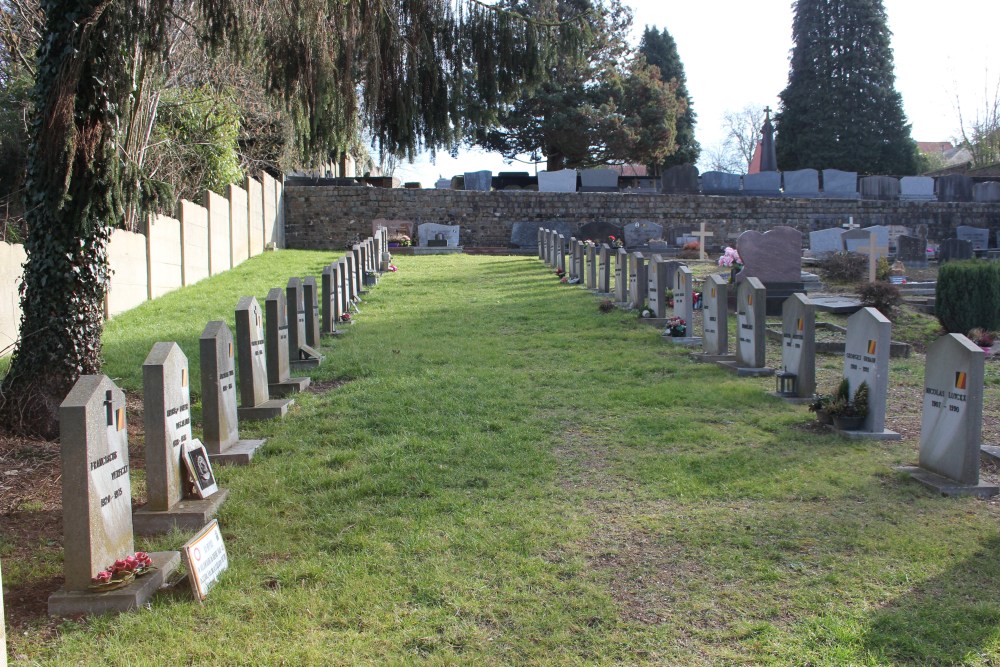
499 474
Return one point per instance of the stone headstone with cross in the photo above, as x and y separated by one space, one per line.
220 422
866 359
255 399
311 299
167 413
330 313
951 423
798 345
97 503
301 355
279 381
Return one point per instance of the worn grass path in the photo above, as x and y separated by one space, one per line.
509 477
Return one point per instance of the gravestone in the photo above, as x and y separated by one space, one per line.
561 253
640 234
826 241
911 250
798 344
581 250
255 399
591 266
684 305
763 184
220 423
394 227
301 355
525 234
953 250
953 187
310 296
879 188
600 232
343 283
598 180
279 381
557 181
720 183
858 240
571 268
540 236
637 280
803 183
979 238
553 242
751 326
480 181
951 424
774 258
621 276
839 184
166 398
715 319
680 180
330 314
671 270
986 193
97 503
430 231
916 188
657 287
604 270
866 359
358 276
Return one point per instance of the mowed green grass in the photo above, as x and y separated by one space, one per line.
510 477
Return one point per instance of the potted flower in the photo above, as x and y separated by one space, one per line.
731 258
821 406
849 413
400 241
676 327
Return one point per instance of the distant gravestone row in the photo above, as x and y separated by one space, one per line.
183 494
951 425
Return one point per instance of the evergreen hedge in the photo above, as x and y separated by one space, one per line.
968 296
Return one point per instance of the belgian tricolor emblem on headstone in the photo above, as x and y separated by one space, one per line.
184 377
749 299
120 418
960 380
871 346
713 292
800 324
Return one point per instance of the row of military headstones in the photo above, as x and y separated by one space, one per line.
951 425
98 522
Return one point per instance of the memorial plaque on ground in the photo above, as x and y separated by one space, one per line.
751 322
715 317
680 180
720 183
430 231
826 241
954 249
798 344
916 188
880 188
952 422
255 399
986 193
604 269
600 232
839 184
621 276
557 181
866 359
598 180
803 183
978 237
279 381
97 502
953 187
220 423
763 184
859 240
639 234
206 560
480 181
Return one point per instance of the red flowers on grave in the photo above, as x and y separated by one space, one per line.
122 572
615 242
392 267
560 273
345 317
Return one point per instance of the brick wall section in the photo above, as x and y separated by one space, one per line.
326 217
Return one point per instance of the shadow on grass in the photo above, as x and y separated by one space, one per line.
943 620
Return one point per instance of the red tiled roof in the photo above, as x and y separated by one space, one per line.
934 146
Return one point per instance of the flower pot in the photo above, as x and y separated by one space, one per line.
823 417
848 423
393 244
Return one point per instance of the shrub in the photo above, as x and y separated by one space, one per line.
883 269
843 267
606 306
968 296
880 295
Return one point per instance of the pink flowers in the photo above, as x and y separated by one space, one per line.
730 257
392 267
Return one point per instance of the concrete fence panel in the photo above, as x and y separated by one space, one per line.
194 237
12 258
129 280
164 252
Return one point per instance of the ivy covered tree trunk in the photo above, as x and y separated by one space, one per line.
72 206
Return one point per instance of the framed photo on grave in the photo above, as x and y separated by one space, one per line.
199 469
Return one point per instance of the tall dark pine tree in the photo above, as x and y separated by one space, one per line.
660 51
840 109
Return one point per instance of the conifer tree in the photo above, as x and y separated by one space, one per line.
660 50
840 109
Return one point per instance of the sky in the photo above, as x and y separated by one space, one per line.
736 52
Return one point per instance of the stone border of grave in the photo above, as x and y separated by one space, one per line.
897 349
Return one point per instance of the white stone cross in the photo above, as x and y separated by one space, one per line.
701 236
849 225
